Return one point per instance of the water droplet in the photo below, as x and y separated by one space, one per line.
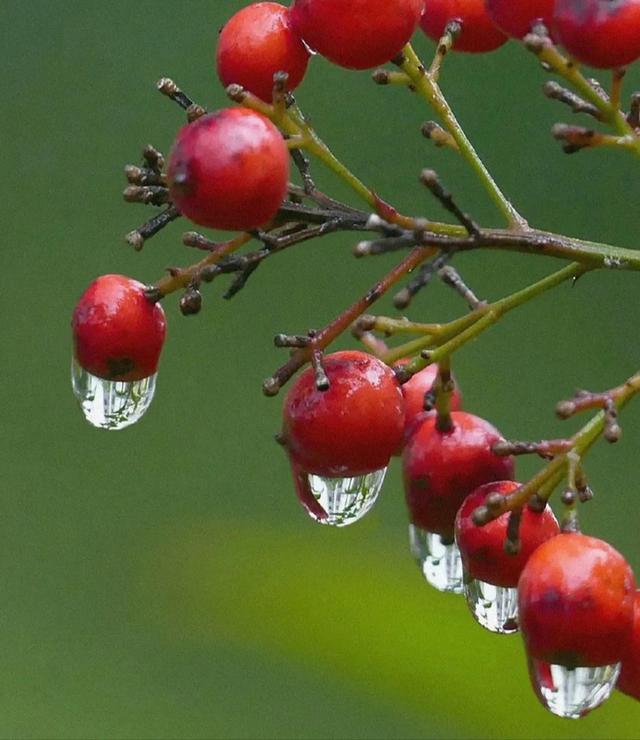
572 692
493 607
439 561
345 500
111 404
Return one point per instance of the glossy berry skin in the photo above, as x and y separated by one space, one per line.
358 34
441 469
517 19
118 334
575 602
482 548
229 170
601 33
257 42
351 429
629 681
479 33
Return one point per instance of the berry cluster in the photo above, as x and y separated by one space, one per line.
474 529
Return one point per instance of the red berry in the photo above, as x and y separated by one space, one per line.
351 429
518 18
629 680
118 333
441 468
575 601
257 42
358 34
478 34
601 33
482 548
414 391
229 170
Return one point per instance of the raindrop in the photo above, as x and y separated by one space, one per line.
572 692
438 559
493 607
343 501
111 404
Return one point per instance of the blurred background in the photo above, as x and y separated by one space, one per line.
162 582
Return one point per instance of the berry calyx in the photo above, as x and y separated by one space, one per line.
575 600
478 33
359 34
257 42
117 332
351 429
441 468
517 19
482 547
229 170
629 681
601 33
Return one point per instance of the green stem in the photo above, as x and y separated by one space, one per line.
428 89
457 333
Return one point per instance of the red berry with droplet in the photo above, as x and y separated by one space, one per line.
358 34
629 681
229 170
351 429
482 548
441 468
517 19
117 332
479 33
601 33
257 42
575 602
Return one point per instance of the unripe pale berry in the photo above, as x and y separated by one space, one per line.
358 34
478 33
229 170
257 42
117 332
575 600
351 429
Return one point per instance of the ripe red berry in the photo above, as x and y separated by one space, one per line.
629 681
118 334
441 468
229 170
257 42
414 391
601 33
351 429
575 600
478 34
482 548
518 18
358 34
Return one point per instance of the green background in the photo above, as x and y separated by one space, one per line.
162 581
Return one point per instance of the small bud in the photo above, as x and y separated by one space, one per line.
191 302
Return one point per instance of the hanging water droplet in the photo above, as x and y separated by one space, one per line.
572 692
493 607
345 500
111 404
439 561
